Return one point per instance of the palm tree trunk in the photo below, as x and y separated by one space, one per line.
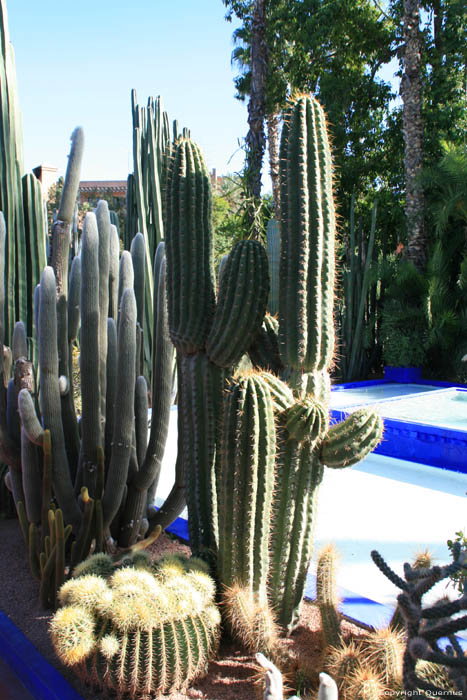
412 129
255 140
273 147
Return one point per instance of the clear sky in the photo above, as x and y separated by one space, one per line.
77 61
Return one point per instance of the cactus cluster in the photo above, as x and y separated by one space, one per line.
137 630
21 203
253 446
97 470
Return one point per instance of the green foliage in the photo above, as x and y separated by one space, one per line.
232 206
404 328
447 269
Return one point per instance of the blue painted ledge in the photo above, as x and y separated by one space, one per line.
39 677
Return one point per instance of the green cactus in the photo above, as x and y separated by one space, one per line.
301 350
273 244
264 350
326 596
139 632
246 468
20 201
98 473
209 338
306 343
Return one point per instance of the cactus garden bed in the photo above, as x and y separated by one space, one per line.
231 675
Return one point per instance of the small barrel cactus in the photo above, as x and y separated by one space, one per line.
138 631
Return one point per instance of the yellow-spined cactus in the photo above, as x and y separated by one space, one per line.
139 632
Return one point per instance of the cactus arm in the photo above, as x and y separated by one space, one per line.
201 386
309 477
264 350
29 420
74 294
12 418
141 419
350 441
50 397
103 228
123 430
273 244
31 478
125 275
61 228
114 256
138 257
161 396
190 274
111 385
246 469
241 305
307 240
70 424
72 175
89 355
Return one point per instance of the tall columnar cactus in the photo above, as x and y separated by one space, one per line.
20 202
306 344
247 469
146 200
245 482
209 338
141 632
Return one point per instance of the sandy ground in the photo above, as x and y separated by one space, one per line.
231 675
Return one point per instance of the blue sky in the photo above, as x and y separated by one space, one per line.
77 62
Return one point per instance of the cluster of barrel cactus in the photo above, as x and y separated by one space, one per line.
137 629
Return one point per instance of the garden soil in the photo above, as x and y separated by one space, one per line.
232 675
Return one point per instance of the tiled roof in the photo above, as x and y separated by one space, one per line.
86 185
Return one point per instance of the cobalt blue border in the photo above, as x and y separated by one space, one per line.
373 382
36 674
444 448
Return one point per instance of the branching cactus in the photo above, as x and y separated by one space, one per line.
98 472
426 626
305 444
210 338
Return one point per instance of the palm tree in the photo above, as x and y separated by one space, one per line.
412 130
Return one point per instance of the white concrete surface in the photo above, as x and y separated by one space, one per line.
391 505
